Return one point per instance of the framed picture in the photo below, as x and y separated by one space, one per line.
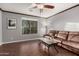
11 23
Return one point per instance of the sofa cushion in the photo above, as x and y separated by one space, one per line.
58 40
72 44
73 36
59 44
62 34
75 39
52 32
75 50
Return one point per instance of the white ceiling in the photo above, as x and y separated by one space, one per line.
24 8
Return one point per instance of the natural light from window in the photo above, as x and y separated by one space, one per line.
72 26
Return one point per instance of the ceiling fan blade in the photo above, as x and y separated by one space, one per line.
49 6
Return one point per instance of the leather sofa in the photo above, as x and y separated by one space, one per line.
67 39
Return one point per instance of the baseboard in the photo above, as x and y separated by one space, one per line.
0 43
19 41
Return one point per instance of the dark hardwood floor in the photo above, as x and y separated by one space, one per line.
31 48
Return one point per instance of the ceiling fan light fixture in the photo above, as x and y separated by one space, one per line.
40 6
34 4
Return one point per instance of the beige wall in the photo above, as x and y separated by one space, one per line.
16 34
0 27
60 21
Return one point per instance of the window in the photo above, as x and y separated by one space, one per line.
29 27
72 26
33 26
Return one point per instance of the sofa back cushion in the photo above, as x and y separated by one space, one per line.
53 32
73 36
62 34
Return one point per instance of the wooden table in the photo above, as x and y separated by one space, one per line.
49 45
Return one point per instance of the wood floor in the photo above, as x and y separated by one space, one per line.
31 48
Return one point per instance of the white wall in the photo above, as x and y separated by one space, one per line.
0 27
57 22
16 34
60 21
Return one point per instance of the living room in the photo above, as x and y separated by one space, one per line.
24 26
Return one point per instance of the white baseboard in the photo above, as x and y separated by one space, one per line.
20 41
0 43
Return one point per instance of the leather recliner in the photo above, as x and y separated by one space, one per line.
67 39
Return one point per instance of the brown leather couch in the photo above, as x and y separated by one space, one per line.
67 39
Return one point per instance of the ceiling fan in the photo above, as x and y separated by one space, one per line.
42 6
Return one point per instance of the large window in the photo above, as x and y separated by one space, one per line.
72 26
33 26
29 27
